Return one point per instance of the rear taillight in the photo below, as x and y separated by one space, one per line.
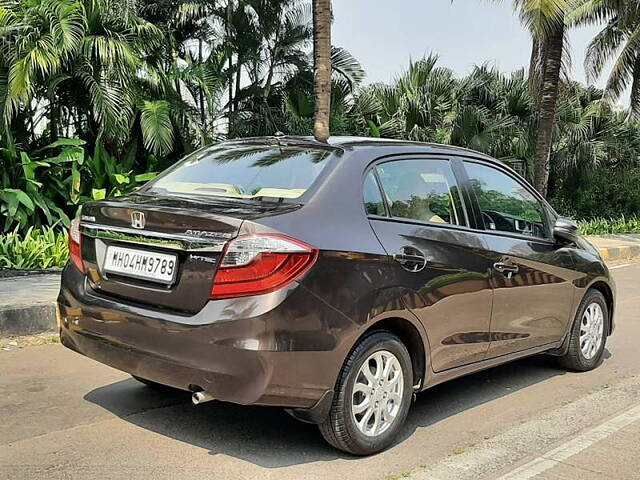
257 264
75 244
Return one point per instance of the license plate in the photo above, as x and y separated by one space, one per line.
157 267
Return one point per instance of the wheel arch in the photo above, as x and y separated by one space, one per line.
412 339
607 292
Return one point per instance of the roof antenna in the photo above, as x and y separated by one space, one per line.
278 135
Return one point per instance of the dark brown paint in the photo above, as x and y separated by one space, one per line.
286 348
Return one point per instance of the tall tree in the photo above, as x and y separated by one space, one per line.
322 67
548 104
545 19
619 40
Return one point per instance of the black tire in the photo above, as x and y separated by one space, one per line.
154 385
574 359
339 428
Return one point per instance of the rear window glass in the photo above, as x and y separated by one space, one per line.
246 172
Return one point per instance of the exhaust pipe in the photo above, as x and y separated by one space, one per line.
201 397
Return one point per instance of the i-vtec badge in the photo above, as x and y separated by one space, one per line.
137 220
204 259
205 234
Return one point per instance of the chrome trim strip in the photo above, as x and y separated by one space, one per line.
169 241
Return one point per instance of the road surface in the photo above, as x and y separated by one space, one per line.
66 416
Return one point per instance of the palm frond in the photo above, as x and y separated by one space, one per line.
156 126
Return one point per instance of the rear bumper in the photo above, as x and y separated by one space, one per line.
279 349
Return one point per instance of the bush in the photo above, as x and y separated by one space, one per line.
603 226
46 187
35 249
601 194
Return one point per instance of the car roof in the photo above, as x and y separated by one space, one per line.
352 143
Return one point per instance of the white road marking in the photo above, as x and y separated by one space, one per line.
622 266
573 447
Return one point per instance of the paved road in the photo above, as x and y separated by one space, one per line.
65 416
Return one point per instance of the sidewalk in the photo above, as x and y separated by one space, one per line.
27 302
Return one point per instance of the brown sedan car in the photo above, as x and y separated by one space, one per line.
333 280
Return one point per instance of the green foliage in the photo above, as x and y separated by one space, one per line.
602 193
604 226
616 43
596 148
34 188
48 186
34 249
140 83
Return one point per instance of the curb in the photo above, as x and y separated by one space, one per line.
28 319
620 253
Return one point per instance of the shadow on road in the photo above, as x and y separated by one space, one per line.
270 438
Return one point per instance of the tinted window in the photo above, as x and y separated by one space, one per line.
373 203
506 204
244 172
424 190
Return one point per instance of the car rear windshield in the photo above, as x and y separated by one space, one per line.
252 172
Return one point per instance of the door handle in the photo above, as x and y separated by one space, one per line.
508 268
411 259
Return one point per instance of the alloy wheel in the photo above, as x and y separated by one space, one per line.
591 330
377 393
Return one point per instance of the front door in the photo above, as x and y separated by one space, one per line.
531 274
439 264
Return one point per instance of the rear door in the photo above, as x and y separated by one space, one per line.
530 273
438 264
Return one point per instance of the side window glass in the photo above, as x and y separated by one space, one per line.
424 190
506 205
373 203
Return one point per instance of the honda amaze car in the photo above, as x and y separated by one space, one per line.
334 280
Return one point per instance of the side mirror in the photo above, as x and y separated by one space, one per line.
566 229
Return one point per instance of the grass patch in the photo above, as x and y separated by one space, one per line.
52 339
398 477
608 226
16 343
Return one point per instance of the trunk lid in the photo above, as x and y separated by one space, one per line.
190 231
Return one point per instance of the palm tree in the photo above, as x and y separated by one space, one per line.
32 51
322 67
85 59
419 105
619 40
545 19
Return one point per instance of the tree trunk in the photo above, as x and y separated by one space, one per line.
32 123
54 120
635 90
230 53
236 99
203 118
322 67
548 106
176 69
535 65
